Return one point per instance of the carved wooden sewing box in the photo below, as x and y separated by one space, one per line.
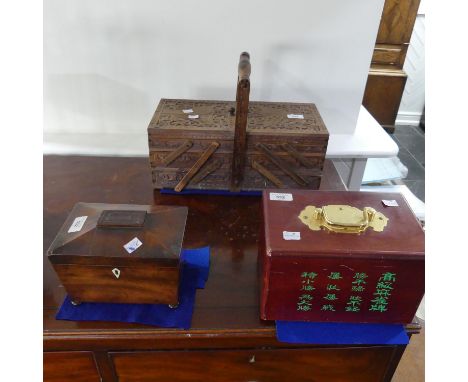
223 145
340 257
120 253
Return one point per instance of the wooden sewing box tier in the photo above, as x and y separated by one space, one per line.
340 257
268 125
241 145
120 253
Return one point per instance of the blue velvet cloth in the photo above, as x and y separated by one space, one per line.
195 270
170 191
327 333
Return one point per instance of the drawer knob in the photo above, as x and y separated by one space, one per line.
116 272
252 359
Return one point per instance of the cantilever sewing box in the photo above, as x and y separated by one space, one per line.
120 253
340 257
242 145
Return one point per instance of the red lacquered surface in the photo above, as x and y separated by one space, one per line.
335 277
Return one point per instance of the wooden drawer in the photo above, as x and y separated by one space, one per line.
383 93
321 364
70 366
386 54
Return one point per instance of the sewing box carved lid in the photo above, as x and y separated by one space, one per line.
340 257
120 253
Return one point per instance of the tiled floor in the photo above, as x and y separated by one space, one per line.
411 141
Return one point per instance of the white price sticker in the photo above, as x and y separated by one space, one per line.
194 116
390 203
281 196
187 111
296 116
291 235
133 245
77 224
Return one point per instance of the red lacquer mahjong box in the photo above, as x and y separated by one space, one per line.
340 257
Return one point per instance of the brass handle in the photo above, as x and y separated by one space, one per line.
343 218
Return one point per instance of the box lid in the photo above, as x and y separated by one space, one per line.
217 116
120 234
288 232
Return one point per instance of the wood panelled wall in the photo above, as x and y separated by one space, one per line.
387 78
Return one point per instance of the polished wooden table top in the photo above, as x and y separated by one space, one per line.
226 311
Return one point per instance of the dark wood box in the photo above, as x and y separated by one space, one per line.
319 262
236 145
120 253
